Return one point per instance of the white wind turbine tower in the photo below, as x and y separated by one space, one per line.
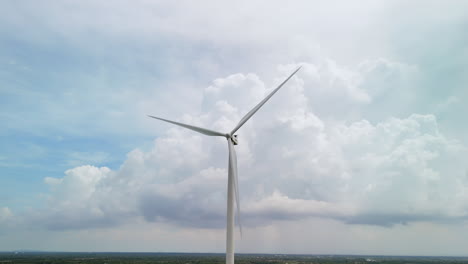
233 188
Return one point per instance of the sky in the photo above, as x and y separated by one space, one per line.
363 151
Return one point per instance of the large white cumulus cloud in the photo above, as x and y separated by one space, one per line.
297 158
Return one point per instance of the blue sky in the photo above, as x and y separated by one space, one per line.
363 149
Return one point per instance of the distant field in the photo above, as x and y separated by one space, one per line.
185 258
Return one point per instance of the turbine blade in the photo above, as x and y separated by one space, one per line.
233 173
255 109
194 128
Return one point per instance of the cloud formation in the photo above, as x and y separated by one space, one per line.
361 140
294 161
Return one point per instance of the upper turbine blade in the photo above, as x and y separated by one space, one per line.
194 128
232 172
255 109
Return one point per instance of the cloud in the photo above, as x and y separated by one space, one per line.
81 199
357 152
96 76
82 158
295 162
7 220
5 213
278 206
404 169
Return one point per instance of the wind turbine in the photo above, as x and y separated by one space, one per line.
233 186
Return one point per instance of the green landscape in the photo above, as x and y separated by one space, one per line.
199 258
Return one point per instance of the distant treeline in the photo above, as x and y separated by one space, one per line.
208 258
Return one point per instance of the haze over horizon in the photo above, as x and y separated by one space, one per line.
364 151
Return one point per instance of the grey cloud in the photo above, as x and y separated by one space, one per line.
184 212
390 220
79 220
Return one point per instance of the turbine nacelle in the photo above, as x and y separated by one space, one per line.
234 139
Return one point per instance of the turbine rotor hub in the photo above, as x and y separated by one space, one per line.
234 139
